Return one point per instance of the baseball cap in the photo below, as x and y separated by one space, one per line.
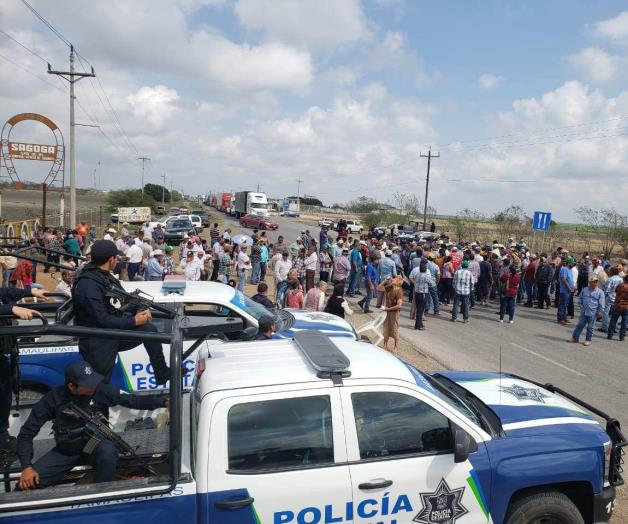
169 249
571 260
158 253
103 250
465 263
388 252
82 374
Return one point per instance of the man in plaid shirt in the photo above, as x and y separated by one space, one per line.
299 264
463 287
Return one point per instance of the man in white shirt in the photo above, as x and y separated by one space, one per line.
148 231
244 263
139 239
65 284
134 257
282 268
109 234
191 267
310 268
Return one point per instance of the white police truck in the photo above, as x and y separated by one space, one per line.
43 361
315 430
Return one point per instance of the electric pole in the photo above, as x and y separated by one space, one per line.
72 77
163 189
171 193
299 182
143 159
429 157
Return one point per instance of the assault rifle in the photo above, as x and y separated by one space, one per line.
97 428
136 301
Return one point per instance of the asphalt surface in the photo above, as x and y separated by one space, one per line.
535 346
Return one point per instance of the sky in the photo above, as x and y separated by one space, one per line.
526 102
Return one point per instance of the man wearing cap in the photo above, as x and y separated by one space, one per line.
591 308
155 265
134 256
93 308
85 388
109 234
124 230
567 286
463 287
158 233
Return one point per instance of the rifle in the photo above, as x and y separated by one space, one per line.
97 428
137 301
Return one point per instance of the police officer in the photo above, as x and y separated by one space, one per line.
8 352
93 308
266 328
86 389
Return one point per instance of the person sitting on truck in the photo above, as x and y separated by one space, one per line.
86 389
93 308
266 328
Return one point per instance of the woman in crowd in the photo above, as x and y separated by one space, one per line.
337 304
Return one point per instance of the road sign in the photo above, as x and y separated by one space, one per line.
541 221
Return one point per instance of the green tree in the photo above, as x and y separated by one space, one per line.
609 225
365 205
157 191
308 200
129 198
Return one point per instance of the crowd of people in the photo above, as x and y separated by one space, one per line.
319 274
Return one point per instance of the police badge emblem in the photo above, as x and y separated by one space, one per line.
521 393
443 506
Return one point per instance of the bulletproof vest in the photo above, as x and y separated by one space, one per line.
91 272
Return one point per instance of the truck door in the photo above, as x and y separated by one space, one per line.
278 458
400 451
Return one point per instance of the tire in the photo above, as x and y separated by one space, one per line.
551 507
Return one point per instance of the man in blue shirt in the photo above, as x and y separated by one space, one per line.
155 268
387 269
566 288
371 281
591 308
355 259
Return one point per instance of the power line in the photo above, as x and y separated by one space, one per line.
23 46
47 24
19 66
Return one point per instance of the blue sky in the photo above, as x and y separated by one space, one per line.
344 94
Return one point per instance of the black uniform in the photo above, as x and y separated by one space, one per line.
93 309
8 298
69 439
263 300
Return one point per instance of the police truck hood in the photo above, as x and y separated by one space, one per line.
518 403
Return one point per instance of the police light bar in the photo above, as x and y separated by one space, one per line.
323 355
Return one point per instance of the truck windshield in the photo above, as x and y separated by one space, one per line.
433 386
254 309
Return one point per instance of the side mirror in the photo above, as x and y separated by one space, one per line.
463 445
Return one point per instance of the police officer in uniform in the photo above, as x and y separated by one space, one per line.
93 308
85 388
8 356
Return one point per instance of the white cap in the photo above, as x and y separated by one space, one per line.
158 253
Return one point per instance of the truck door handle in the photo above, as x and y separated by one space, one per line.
234 504
375 485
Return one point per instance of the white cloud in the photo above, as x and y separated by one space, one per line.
319 23
615 28
156 104
271 65
597 65
490 81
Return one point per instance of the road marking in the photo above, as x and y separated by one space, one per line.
549 360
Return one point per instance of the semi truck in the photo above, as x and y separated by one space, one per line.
225 202
250 203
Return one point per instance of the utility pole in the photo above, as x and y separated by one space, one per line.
429 157
299 182
72 77
163 189
143 159
171 193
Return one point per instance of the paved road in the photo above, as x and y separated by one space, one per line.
534 347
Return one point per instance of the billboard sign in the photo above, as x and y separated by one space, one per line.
133 214
25 151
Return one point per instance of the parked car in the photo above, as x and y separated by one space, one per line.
258 222
354 226
326 222
114 218
175 230
173 211
203 215
164 221
290 213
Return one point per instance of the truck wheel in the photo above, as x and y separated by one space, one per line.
544 508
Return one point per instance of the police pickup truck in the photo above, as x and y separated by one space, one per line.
43 362
320 430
